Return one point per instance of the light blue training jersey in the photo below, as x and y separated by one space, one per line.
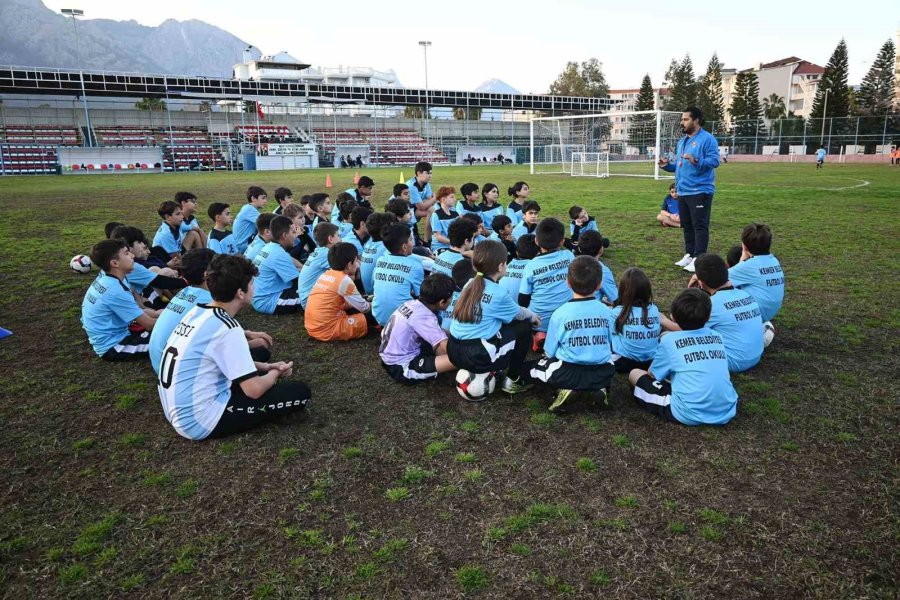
512 281
579 333
315 265
736 317
761 276
396 280
244 226
545 280
276 274
445 261
106 311
168 238
637 341
372 251
497 308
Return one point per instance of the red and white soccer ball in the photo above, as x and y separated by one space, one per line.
81 264
475 387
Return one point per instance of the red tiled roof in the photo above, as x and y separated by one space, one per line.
781 63
807 68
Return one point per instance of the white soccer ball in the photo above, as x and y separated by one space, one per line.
81 264
475 387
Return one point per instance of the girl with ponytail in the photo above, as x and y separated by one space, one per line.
490 332
519 193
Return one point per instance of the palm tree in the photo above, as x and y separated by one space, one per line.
773 107
151 105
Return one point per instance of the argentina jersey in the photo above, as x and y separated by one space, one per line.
175 310
544 279
206 351
579 332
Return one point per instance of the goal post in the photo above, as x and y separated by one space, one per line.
629 142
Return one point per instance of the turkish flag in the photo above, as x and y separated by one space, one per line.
259 111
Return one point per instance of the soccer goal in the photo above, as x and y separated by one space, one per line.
629 142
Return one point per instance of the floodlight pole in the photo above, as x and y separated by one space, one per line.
425 44
74 13
824 112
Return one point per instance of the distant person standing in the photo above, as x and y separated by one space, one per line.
820 157
696 158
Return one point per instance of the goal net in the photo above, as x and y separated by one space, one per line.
632 142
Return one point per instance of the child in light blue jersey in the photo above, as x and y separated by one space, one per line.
263 235
591 243
735 314
442 217
581 222
759 273
361 194
489 332
636 325
490 207
109 306
578 353
688 380
422 199
669 215
469 202
461 235
462 273
373 249
526 249
154 284
168 238
220 240
544 285
503 227
194 237
245 223
326 235
531 211
481 233
397 275
276 284
359 235
519 193
321 205
345 205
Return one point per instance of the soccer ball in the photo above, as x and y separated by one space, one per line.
475 387
81 264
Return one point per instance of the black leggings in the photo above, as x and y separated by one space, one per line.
243 413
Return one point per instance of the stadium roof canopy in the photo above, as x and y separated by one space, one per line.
60 82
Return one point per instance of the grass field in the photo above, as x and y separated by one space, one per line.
395 492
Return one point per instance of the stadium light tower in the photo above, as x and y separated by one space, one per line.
425 44
824 114
74 13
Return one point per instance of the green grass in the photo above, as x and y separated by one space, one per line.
471 578
811 420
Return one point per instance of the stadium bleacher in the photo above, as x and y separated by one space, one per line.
386 147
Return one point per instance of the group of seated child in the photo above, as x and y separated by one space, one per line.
478 291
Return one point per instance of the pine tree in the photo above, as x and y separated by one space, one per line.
876 94
746 111
710 98
683 91
834 82
642 128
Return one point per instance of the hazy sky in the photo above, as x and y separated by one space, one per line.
527 43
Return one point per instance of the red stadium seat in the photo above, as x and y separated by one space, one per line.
75 167
118 167
103 167
90 167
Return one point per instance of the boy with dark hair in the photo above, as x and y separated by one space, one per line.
688 380
284 197
581 222
359 234
109 306
209 383
400 208
530 212
401 192
276 284
578 345
308 212
193 269
194 237
668 213
759 273
221 241
303 243
321 205
245 225
397 275
503 227
544 287
461 235
462 272
168 238
469 202
413 345
422 200
150 282
335 310
734 255
326 235
735 314
365 187
263 235
481 233
373 248
526 249
592 244
110 227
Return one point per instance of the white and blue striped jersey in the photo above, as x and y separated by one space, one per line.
206 352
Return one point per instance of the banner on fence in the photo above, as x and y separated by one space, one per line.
285 149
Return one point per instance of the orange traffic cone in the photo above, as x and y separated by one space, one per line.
356 178
328 181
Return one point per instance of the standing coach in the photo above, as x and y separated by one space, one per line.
696 159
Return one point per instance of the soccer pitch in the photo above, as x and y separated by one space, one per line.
390 491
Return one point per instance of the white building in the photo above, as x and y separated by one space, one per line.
627 102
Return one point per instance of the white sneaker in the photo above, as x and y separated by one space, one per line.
768 333
690 268
685 260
